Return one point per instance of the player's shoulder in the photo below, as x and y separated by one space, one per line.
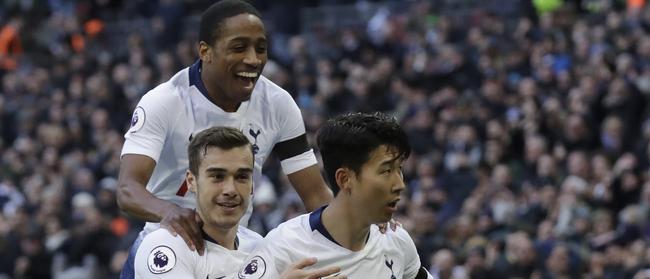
293 228
269 86
248 233
163 237
272 92
248 239
160 251
399 237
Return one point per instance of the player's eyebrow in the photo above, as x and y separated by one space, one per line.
212 170
242 39
389 162
245 170
215 170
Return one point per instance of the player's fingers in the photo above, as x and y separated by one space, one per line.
198 219
322 272
169 228
305 263
394 224
382 227
194 231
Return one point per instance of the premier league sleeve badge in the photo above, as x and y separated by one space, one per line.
255 269
161 259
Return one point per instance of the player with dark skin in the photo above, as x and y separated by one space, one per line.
239 50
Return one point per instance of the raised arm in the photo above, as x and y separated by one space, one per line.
311 187
134 199
132 195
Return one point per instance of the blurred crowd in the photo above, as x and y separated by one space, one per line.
530 134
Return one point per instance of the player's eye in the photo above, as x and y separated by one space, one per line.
219 176
261 48
243 177
239 48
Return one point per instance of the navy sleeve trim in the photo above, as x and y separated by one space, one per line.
291 147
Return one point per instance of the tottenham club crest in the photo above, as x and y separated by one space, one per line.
161 259
255 269
137 121
389 264
254 134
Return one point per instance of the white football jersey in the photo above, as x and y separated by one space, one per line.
162 255
390 255
169 115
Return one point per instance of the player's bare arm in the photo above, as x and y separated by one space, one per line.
311 187
134 199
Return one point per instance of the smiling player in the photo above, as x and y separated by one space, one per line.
223 88
221 170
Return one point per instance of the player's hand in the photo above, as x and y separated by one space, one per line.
393 224
296 271
186 223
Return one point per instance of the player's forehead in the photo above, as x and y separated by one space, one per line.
382 155
242 26
240 157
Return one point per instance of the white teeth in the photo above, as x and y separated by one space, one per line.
247 74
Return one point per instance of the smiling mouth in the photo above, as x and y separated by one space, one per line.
228 204
393 204
249 77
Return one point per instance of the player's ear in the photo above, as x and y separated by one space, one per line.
190 179
204 52
343 178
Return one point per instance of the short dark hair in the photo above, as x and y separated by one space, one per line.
212 19
347 141
222 137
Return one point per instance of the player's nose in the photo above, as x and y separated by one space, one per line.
252 58
398 183
229 187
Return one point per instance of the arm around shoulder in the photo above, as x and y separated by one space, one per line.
132 195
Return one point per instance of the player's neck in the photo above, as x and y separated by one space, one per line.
217 97
344 226
223 237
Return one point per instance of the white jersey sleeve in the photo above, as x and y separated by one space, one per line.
162 255
150 123
294 151
411 256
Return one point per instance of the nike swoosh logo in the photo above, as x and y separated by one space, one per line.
208 277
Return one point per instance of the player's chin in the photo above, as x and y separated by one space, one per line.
230 217
227 223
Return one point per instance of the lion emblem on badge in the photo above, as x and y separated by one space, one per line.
251 268
160 259
255 268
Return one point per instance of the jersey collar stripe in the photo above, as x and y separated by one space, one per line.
206 237
316 223
195 78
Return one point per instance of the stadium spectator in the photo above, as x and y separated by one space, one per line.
511 114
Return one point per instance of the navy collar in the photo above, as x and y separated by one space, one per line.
316 223
210 239
195 79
